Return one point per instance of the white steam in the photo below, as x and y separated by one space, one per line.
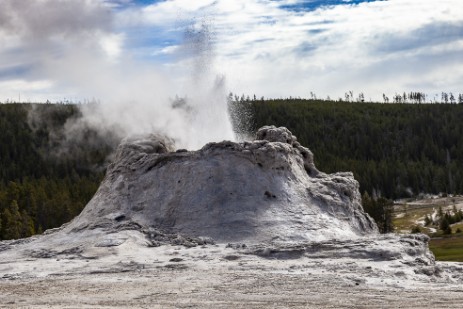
73 45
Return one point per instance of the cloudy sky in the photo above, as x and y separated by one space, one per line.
81 49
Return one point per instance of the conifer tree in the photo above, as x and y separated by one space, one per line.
12 221
27 225
445 226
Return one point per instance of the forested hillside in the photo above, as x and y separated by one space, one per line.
43 182
394 150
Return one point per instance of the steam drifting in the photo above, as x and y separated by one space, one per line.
77 49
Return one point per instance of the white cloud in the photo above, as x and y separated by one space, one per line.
169 50
274 52
19 90
120 52
262 48
37 35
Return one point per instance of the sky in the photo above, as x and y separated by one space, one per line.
113 49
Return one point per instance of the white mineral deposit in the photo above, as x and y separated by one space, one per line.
231 225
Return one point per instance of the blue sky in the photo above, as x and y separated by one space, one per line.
53 49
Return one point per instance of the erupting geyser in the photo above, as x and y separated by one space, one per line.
260 191
261 203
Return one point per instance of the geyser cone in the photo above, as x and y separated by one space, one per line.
265 190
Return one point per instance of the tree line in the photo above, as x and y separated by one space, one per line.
412 97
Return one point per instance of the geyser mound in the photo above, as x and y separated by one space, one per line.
267 190
264 204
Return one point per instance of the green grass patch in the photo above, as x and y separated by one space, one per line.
448 248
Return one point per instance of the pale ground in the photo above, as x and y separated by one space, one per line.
416 210
218 288
132 275
432 201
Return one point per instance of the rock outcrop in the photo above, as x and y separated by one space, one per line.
267 190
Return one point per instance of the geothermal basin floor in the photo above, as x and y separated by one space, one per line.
186 288
216 276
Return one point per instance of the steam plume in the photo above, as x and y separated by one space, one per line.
76 49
